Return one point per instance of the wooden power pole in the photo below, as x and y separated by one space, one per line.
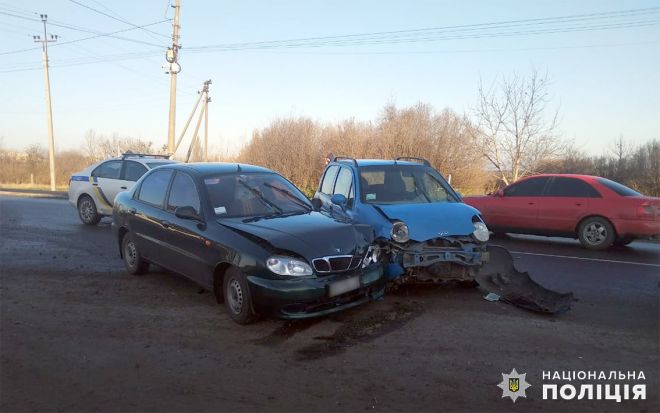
174 68
49 110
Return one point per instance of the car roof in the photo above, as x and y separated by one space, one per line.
578 176
377 162
138 158
209 168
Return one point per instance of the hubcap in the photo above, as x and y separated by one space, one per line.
86 210
595 233
130 252
235 296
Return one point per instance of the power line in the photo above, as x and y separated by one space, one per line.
417 39
413 34
117 19
111 34
137 55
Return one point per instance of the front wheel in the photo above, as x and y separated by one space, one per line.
87 211
133 260
238 301
596 233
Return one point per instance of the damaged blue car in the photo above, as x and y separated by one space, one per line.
425 230
418 218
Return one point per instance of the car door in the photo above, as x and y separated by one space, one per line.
566 201
131 172
188 252
106 184
146 222
518 207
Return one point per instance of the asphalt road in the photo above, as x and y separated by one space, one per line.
79 334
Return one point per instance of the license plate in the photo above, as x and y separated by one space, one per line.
344 286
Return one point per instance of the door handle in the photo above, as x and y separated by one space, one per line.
530 203
123 187
95 184
578 204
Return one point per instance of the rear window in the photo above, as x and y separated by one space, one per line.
618 188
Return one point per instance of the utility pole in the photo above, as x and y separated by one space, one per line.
49 110
206 126
172 56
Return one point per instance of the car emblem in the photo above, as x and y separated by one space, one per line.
337 250
443 233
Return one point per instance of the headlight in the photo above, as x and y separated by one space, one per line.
400 232
372 256
481 232
288 266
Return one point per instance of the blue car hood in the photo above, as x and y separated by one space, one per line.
433 220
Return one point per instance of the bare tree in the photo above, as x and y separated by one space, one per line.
98 147
516 128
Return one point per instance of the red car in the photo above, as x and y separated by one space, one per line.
599 212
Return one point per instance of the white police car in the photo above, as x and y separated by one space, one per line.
93 190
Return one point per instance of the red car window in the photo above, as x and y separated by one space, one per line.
528 187
571 187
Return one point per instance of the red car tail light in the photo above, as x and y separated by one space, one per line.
645 211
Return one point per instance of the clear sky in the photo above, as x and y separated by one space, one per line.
605 71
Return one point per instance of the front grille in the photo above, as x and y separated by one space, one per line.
336 263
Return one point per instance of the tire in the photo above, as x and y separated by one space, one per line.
133 260
596 233
237 297
622 242
87 211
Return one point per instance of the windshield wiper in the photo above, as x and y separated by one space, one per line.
261 197
291 196
260 217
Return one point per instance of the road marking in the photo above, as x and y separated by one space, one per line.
586 259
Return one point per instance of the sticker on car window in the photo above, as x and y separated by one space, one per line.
371 197
220 210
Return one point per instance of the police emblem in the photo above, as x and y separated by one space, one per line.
513 385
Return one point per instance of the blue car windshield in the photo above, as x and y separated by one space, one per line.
402 184
254 195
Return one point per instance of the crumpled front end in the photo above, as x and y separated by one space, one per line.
439 259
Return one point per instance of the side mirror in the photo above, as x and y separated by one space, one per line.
317 204
499 193
187 212
339 200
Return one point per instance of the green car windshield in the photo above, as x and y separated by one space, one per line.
402 184
254 195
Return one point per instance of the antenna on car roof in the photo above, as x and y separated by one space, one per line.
238 167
